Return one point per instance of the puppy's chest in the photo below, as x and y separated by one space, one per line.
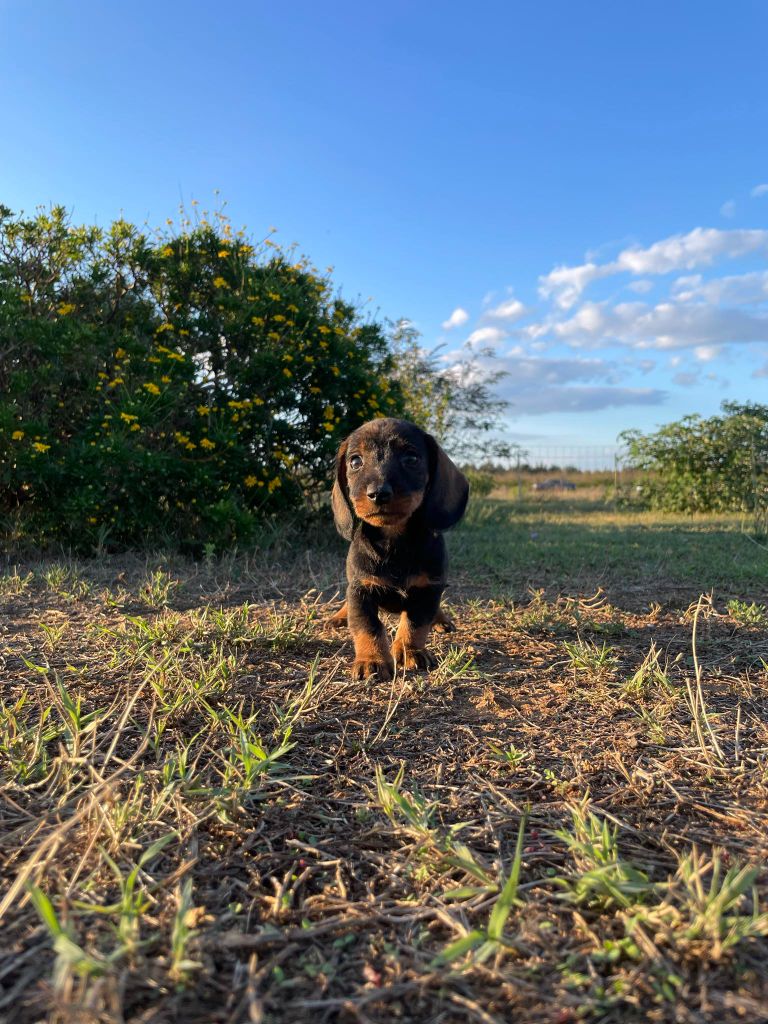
400 569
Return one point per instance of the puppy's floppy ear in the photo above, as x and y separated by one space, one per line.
342 510
447 490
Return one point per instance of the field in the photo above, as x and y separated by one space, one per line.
205 819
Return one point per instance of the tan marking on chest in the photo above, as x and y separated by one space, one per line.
375 582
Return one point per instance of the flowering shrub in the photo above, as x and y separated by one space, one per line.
173 389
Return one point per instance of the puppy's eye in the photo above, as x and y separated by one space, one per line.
355 462
411 461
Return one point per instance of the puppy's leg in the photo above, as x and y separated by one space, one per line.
409 647
372 657
339 618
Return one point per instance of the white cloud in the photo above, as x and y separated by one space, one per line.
685 380
706 353
565 284
668 325
457 318
700 247
642 286
536 386
759 190
737 289
510 310
486 336
728 209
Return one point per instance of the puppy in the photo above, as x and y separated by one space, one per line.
395 491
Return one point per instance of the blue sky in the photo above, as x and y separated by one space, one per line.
582 180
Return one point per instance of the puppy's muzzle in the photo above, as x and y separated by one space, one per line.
380 494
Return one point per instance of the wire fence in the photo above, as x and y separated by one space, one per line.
582 458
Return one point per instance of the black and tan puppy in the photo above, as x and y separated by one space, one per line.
395 491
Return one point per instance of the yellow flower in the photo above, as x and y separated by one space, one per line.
219 282
190 446
315 391
273 336
164 327
115 382
287 358
205 443
65 308
203 410
273 484
328 427
17 435
278 318
135 426
153 389
274 296
250 481
120 353
184 331
165 380
103 376
223 253
181 438
258 320
167 251
258 401
324 330
128 416
153 359
175 355
293 309
287 372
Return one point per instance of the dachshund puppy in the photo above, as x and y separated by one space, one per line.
395 491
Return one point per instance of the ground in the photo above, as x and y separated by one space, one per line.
206 819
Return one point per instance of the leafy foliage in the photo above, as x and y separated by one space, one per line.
176 388
707 465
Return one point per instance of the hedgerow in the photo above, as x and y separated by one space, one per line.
707 465
178 387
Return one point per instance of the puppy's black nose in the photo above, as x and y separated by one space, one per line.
379 494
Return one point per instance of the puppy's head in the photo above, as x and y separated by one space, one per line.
387 470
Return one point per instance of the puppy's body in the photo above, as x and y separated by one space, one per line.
395 491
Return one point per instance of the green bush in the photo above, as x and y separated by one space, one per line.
707 465
180 388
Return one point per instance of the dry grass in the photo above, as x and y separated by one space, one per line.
204 819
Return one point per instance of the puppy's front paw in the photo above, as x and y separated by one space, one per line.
412 657
364 668
339 619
